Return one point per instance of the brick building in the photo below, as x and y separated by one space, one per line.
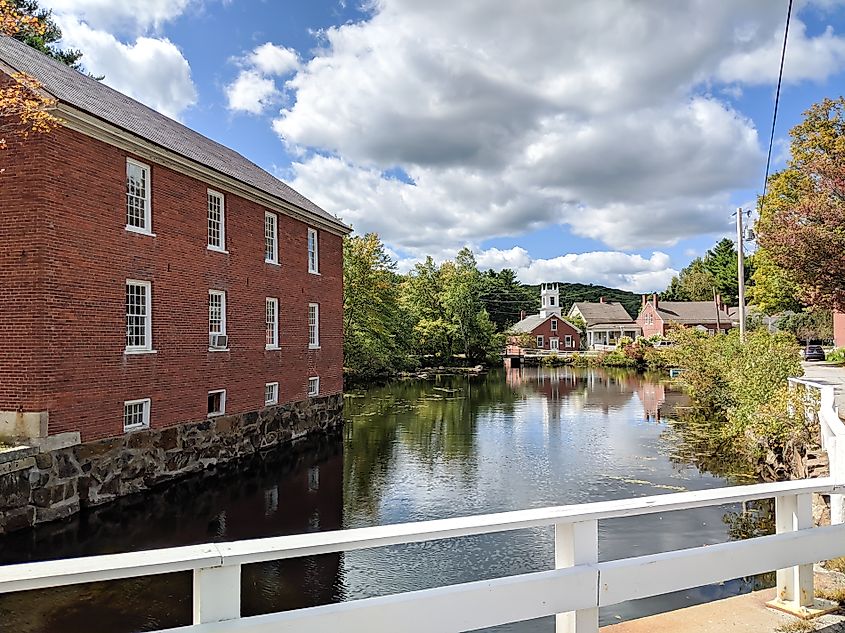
658 317
151 277
549 331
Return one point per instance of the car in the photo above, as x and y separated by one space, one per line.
813 352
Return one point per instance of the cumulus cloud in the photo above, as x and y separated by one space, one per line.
254 89
151 70
609 268
251 92
501 118
111 15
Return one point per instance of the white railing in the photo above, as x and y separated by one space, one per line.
573 591
832 431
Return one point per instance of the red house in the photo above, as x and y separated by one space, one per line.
549 331
657 317
151 277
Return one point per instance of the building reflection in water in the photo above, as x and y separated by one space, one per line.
257 498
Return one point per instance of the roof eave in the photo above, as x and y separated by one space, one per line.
93 126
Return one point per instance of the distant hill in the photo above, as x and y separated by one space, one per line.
572 293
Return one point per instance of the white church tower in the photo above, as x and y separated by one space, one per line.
549 300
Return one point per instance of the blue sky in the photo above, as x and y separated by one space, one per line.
596 142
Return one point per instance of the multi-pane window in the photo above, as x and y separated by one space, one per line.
272 323
216 402
271 393
216 221
136 414
313 252
554 325
540 341
313 325
649 319
568 340
138 197
138 316
313 386
217 319
271 238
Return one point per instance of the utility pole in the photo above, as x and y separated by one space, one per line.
740 272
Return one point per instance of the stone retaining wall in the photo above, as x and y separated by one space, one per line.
38 485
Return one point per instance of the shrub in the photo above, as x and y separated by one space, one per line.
746 385
836 356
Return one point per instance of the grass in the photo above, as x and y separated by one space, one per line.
796 626
836 594
836 564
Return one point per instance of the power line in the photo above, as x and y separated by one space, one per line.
777 101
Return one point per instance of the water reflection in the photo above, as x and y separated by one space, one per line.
411 450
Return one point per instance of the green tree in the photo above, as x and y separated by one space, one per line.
45 38
772 290
694 283
814 324
505 298
802 220
461 297
421 299
373 320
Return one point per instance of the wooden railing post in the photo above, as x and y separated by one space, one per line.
795 584
577 544
217 594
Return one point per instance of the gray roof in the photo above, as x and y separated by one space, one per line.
529 323
94 97
596 313
691 312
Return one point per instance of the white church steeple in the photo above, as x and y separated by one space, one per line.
549 299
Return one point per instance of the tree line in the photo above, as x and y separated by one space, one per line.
436 314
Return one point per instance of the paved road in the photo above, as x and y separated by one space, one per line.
742 614
832 374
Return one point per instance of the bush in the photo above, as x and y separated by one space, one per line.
746 385
836 356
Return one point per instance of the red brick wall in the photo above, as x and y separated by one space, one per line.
657 325
86 377
22 301
563 328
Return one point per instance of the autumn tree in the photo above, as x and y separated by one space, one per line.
38 29
24 107
802 221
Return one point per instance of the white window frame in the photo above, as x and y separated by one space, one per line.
567 341
541 342
554 325
275 323
148 203
145 424
314 336
222 295
274 255
147 348
554 343
220 248
313 386
274 386
313 267
222 411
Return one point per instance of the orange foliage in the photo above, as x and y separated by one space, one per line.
23 105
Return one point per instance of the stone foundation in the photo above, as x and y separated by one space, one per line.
47 483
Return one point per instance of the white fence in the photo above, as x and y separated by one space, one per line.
832 436
573 591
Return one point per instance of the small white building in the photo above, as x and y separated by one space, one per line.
606 321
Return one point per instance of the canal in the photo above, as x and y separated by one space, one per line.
411 450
